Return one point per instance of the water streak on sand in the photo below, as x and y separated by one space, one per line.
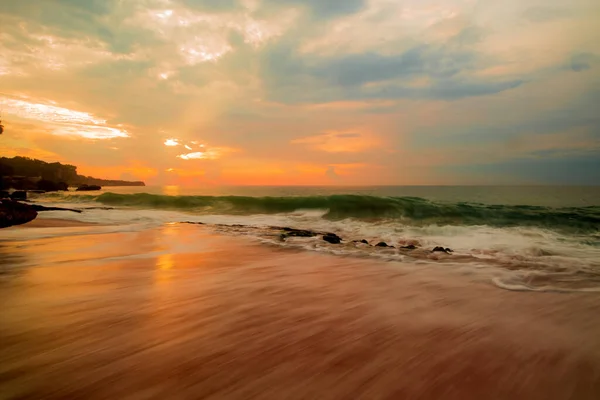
176 312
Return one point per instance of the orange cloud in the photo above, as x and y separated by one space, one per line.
61 121
42 154
212 153
135 169
341 141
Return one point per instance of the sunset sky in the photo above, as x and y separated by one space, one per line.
299 92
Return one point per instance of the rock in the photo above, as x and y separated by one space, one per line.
15 213
332 238
4 194
88 188
22 182
409 247
50 186
361 241
290 232
19 195
382 244
442 250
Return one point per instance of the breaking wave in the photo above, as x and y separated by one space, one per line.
411 210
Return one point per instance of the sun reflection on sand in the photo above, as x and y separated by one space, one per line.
165 262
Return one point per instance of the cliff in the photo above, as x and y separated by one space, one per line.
24 167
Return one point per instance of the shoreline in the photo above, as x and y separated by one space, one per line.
53 223
533 272
180 312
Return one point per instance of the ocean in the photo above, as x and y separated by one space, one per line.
164 293
532 238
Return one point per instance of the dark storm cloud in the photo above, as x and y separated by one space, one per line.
324 8
582 62
288 74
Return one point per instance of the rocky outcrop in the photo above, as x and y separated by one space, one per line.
285 232
15 213
19 195
23 173
50 186
439 249
88 188
291 232
332 238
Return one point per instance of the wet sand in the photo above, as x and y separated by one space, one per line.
178 313
41 222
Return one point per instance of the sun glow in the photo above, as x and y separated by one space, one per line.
171 142
210 154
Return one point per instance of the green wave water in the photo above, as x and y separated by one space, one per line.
409 209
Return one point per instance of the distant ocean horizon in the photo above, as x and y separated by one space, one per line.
542 195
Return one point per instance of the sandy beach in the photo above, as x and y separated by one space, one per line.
180 313
53 223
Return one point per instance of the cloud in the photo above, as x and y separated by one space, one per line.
544 14
303 90
324 8
552 171
448 71
334 142
331 174
60 120
171 142
582 62
206 153
211 5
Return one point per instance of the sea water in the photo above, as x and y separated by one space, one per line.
520 238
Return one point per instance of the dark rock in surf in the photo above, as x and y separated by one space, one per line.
50 186
290 232
382 244
409 247
439 249
88 188
332 238
19 195
15 213
361 241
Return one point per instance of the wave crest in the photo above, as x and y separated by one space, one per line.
411 210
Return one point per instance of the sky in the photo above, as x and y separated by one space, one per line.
305 92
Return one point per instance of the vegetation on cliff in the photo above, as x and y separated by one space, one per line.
25 167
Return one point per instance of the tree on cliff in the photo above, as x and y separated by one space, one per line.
56 172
